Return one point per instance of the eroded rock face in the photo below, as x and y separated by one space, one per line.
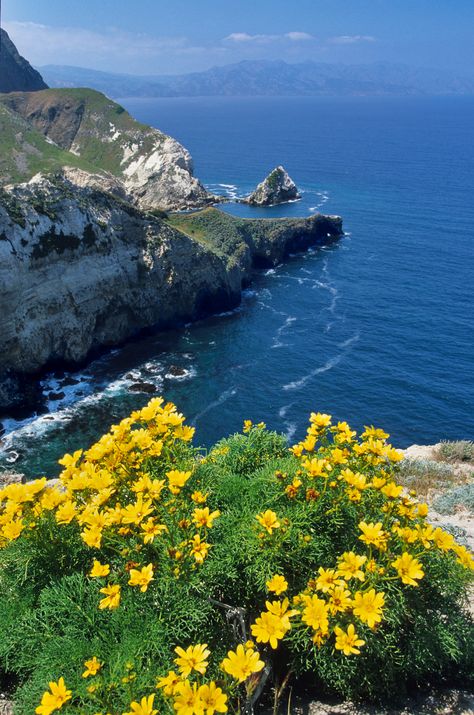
80 270
277 188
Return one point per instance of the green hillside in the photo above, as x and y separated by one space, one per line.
24 151
88 122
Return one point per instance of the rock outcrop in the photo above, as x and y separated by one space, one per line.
155 169
16 74
81 269
277 188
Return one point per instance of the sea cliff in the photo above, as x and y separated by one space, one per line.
82 269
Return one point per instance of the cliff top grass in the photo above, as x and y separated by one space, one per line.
24 151
229 236
97 126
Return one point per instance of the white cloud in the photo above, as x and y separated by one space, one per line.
44 44
299 36
262 39
351 39
245 37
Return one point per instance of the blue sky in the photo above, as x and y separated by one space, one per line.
157 36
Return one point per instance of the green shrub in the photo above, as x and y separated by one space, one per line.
460 451
424 475
308 565
462 496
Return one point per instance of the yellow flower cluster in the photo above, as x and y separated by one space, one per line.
333 463
124 493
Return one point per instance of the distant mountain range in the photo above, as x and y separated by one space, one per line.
269 78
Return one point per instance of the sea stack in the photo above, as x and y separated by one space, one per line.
277 188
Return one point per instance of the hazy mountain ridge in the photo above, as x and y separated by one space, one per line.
270 78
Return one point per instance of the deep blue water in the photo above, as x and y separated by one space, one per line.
378 329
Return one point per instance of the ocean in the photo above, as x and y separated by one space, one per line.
377 329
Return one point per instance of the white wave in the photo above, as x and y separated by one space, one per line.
283 410
290 430
328 365
60 412
223 397
185 375
350 341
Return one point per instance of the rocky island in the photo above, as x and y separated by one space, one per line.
277 188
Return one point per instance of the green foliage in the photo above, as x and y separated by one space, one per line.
425 474
318 498
462 496
460 451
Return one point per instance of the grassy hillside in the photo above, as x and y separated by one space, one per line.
24 151
92 125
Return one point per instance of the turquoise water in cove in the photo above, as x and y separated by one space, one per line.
377 329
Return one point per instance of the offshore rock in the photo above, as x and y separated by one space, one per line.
277 188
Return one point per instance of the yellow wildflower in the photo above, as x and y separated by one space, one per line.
242 663
327 580
135 513
202 517
409 569
169 682
392 490
368 606
144 707
340 600
212 698
193 658
349 566
112 597
269 520
373 534
177 480
12 530
99 570
141 577
316 613
320 419
92 667
268 628
277 584
55 698
348 641
151 529
247 426
187 700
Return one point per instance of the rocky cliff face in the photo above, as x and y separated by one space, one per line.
155 169
16 74
277 188
81 269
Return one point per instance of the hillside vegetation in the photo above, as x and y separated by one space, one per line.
156 577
